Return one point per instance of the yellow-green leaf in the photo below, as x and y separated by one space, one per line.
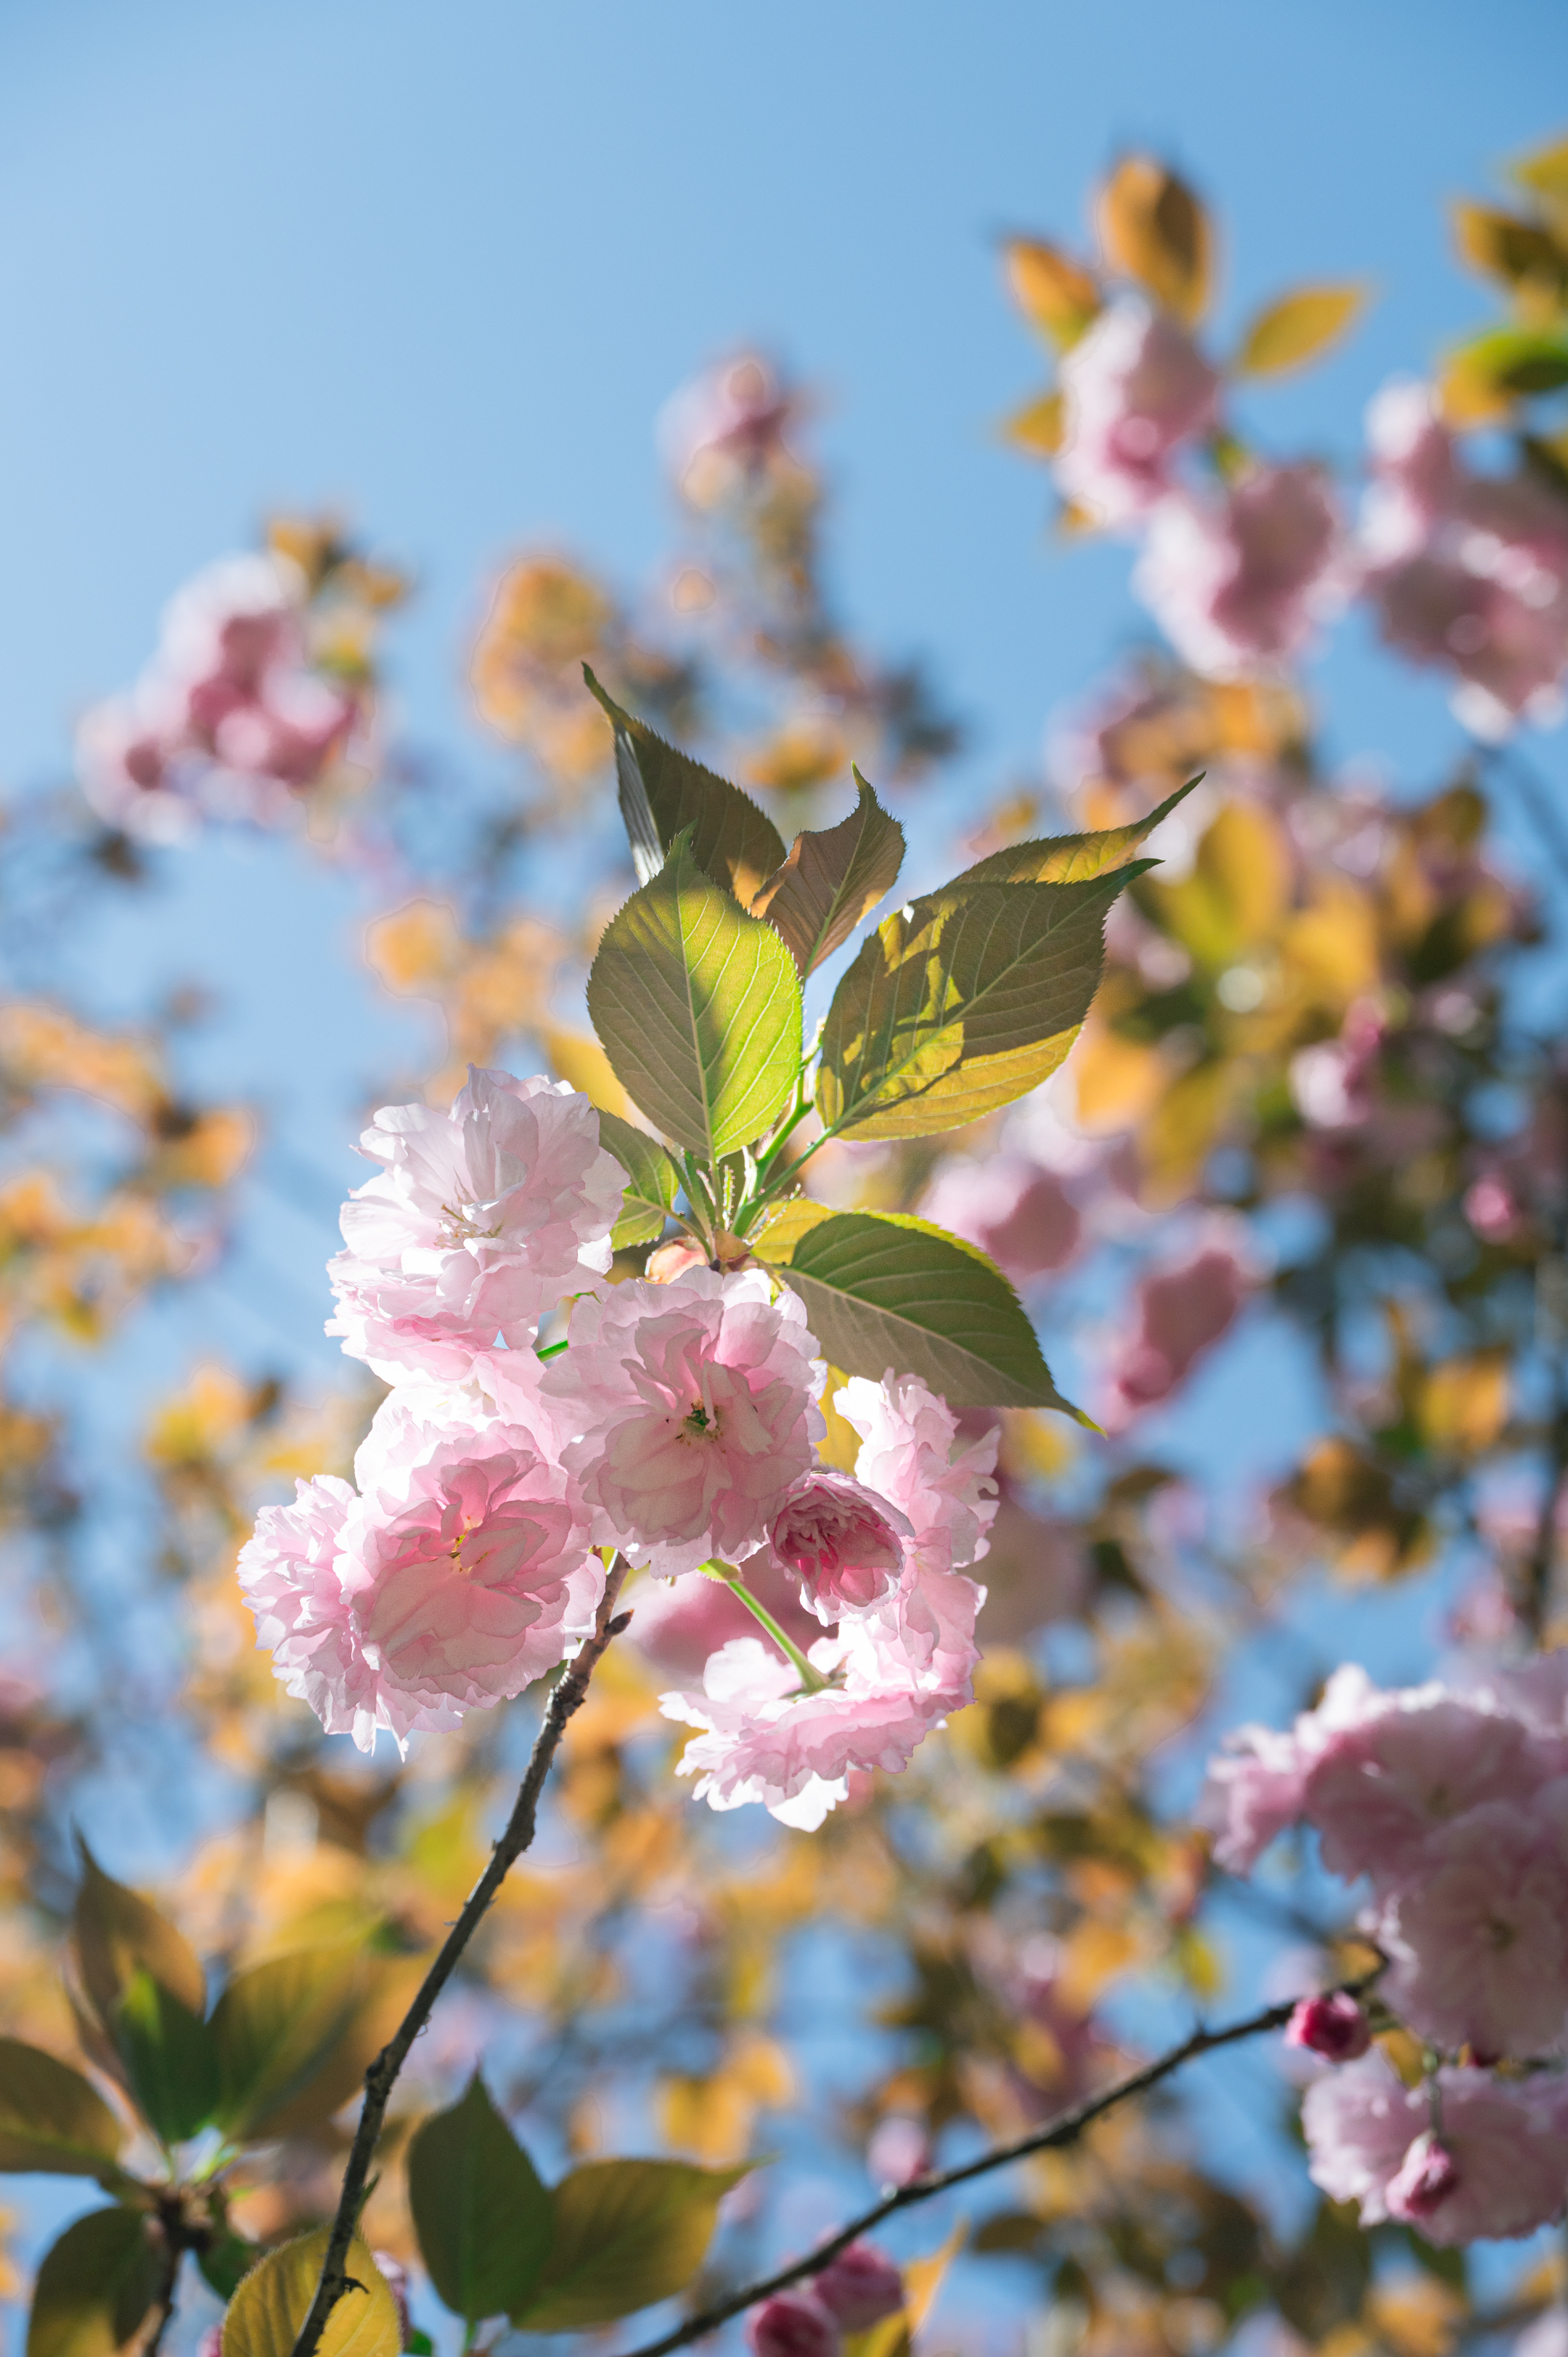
832 879
94 2287
652 1181
1154 229
113 1932
1296 328
627 2233
482 2215
52 2119
1544 172
273 2301
961 1002
664 791
294 2036
885 1291
698 1007
1483 378
1055 294
1518 252
1071 858
1036 427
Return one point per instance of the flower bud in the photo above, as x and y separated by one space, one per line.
1333 2026
793 2324
667 1262
1426 2176
843 1542
860 2287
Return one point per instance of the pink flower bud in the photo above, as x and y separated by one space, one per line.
1333 2026
860 2287
1427 2175
843 1544
793 2324
667 1262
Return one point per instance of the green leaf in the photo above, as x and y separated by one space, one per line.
1484 377
830 880
94 2286
272 2302
1297 328
171 2058
699 1010
482 2215
652 1181
115 1933
884 1291
628 2233
1070 859
52 2119
293 2037
664 791
961 1002
226 2262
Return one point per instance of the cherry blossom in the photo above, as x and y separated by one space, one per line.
842 1541
1134 390
1236 582
480 1219
860 2288
1478 1938
696 1412
1015 1210
1180 1313
1496 2166
1333 2026
793 2324
909 1455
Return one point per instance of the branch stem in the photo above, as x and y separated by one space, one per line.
1064 2130
381 2076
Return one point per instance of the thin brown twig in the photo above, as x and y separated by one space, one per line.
381 2076
1062 2131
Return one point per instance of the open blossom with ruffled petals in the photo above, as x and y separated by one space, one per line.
1257 1786
1180 1313
1237 583
1497 2168
1135 389
1012 1208
909 1456
842 1541
463 1573
1384 1784
695 1403
480 1219
1479 1939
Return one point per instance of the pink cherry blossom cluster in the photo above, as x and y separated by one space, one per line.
1453 1804
229 717
1236 574
1466 571
853 2292
676 1422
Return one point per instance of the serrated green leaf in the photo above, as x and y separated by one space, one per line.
885 1291
114 1931
52 2119
170 2056
1071 858
93 2288
627 2233
273 2301
664 791
832 879
482 2215
698 1007
652 1181
961 1002
294 2035
1296 328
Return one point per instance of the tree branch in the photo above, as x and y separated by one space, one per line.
381 2076
1062 2131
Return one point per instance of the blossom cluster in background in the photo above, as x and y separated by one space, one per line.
678 1425
1452 1804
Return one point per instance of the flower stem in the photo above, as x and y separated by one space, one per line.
811 1680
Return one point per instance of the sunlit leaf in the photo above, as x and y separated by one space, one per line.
273 2301
93 2288
294 2036
627 2233
1055 294
1518 252
1544 172
577 1057
171 2057
114 1931
1480 382
1296 328
652 1181
1036 427
52 2119
482 2215
1071 858
961 1002
830 880
1237 890
698 1007
733 840
882 1290
1154 228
